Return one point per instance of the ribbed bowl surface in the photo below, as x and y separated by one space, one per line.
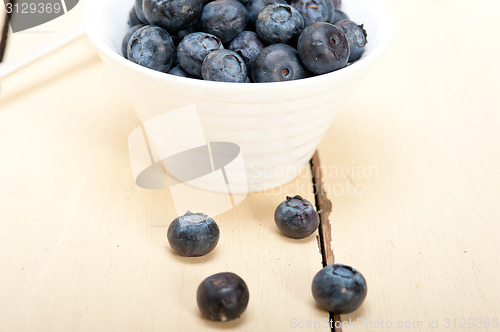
278 126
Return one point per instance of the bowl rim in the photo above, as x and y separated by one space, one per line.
385 21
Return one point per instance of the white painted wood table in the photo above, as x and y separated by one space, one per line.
411 167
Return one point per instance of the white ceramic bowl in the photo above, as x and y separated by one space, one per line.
278 126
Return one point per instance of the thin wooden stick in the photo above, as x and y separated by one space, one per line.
324 208
4 30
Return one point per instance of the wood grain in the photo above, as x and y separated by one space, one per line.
324 208
411 167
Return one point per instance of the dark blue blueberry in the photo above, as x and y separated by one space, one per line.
323 48
172 15
178 71
248 45
222 296
224 66
127 37
279 24
151 47
339 288
224 19
193 234
139 12
356 36
314 10
193 49
339 16
179 35
133 20
296 217
255 6
277 63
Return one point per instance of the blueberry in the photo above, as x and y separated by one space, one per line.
178 71
151 47
139 12
323 48
133 20
224 66
224 19
193 49
180 34
222 296
193 234
127 37
248 45
279 24
172 15
339 16
356 36
337 4
314 10
255 6
276 63
296 217
339 288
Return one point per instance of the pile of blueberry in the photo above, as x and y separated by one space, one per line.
224 296
242 40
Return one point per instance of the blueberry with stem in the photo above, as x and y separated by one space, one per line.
296 217
193 234
151 47
339 288
356 36
323 48
279 24
224 66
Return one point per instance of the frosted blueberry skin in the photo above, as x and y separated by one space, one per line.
255 6
172 15
178 71
193 234
222 297
139 12
133 20
278 63
337 4
151 47
224 19
127 37
224 66
339 16
278 24
296 217
193 49
356 36
248 45
339 288
192 28
314 10
323 48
